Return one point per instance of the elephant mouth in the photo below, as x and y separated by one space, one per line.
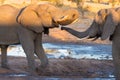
54 24
76 20
94 37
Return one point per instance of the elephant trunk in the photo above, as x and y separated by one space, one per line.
91 32
76 33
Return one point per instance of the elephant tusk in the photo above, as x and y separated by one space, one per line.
75 20
60 26
93 38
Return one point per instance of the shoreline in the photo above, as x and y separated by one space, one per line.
63 68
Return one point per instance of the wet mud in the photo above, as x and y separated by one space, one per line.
81 68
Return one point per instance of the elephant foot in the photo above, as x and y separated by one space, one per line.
41 69
33 74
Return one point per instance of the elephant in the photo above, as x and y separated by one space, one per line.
111 29
106 24
95 29
25 26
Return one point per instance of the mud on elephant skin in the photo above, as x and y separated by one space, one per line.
105 25
25 26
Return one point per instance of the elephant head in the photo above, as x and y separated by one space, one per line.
105 23
96 28
69 16
112 21
44 16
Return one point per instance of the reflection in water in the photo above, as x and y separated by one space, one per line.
69 50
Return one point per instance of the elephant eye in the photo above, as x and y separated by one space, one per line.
73 15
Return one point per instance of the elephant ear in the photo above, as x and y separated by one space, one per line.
45 17
101 15
30 19
111 22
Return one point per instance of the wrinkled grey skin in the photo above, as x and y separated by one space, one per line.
25 27
106 26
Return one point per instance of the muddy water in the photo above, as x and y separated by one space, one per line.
79 51
57 50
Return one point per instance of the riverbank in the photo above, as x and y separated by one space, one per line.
63 68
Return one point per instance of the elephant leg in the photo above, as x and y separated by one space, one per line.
28 48
26 38
39 51
116 59
29 51
4 62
